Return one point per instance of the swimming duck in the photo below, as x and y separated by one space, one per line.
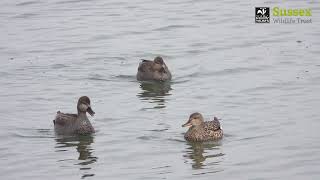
202 131
75 123
153 70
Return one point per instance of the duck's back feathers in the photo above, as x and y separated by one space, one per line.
63 119
212 125
145 66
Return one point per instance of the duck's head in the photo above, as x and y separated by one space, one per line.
159 64
195 119
158 60
84 105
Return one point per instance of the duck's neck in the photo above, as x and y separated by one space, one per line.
194 133
82 116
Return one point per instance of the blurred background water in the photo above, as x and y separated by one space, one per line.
262 80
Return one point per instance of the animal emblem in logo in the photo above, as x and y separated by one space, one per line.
262 11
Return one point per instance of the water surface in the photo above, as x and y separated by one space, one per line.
262 80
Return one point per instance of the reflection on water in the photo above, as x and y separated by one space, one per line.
83 147
199 152
155 92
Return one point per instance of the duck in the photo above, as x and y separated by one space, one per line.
65 123
200 130
156 70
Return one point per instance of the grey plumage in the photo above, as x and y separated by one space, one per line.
66 123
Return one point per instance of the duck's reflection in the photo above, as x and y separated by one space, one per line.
84 149
155 92
199 152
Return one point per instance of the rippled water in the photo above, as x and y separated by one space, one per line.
262 80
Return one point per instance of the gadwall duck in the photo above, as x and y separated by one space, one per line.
153 70
202 131
75 123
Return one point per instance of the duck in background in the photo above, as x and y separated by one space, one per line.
153 70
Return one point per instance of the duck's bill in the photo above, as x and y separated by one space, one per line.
90 111
186 124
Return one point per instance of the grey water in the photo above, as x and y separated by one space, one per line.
262 80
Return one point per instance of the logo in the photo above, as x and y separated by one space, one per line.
262 15
276 11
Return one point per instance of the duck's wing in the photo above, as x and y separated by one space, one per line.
213 125
63 119
145 65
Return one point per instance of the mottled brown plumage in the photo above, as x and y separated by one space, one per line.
153 70
201 130
65 123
